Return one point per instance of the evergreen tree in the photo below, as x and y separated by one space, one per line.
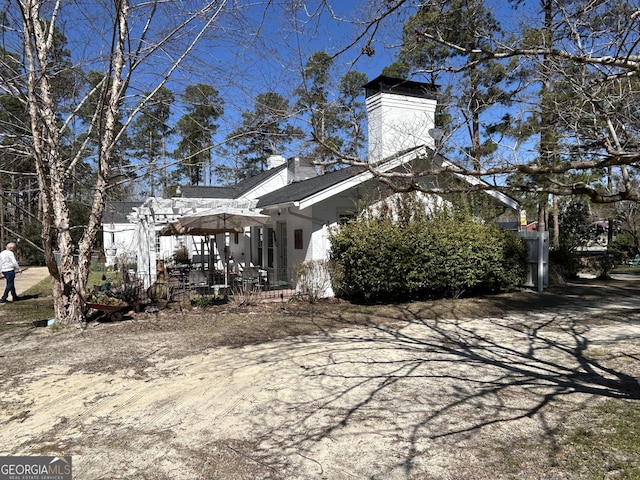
352 113
196 129
477 88
266 130
322 112
335 120
150 131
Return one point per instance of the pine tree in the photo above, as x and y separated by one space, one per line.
150 132
477 88
266 130
196 130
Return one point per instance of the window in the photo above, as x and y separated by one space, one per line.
344 218
271 247
297 239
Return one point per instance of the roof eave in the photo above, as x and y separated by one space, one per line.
359 179
276 206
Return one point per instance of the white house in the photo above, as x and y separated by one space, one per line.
118 233
302 205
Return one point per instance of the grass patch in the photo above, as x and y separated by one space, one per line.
42 289
605 443
626 269
23 313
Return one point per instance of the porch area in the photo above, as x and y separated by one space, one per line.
192 285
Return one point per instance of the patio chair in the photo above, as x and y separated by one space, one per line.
251 278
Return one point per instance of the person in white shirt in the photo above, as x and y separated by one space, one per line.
9 267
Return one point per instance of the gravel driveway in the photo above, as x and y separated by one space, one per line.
429 397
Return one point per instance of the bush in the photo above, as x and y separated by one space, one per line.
313 279
565 262
377 259
203 301
623 247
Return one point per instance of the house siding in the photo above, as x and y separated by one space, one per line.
273 183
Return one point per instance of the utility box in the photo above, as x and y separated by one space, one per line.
538 260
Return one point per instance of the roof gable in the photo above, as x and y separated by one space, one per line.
308 192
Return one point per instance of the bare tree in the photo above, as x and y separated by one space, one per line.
593 63
137 36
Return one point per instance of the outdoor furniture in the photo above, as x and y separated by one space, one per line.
251 278
197 278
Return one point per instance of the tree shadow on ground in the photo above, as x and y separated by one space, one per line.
429 381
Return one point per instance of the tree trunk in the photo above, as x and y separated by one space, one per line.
542 213
556 223
69 277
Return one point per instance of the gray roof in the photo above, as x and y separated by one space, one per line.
116 212
198 191
297 191
231 191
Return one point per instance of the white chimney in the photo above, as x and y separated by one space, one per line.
400 114
275 161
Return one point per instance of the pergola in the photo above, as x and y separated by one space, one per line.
159 216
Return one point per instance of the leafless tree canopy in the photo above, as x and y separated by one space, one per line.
569 122
587 56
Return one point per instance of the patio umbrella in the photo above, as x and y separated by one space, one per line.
223 219
214 221
171 229
176 228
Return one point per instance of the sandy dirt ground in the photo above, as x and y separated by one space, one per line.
27 278
416 397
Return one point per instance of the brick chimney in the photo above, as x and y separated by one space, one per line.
301 168
401 113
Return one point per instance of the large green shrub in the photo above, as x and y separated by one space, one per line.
623 247
380 259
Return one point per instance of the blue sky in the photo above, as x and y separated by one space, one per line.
270 51
262 48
